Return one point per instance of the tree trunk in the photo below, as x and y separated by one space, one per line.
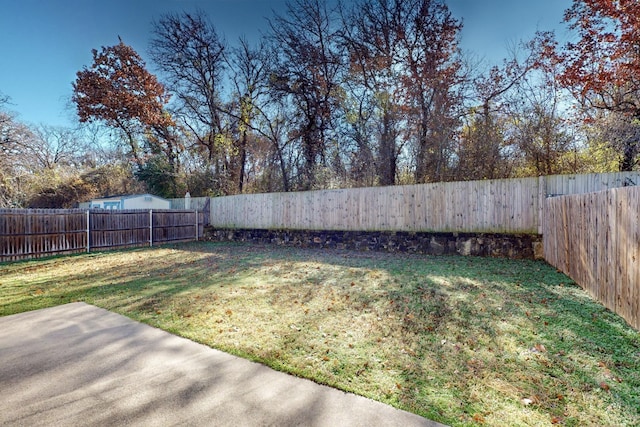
243 161
629 157
387 153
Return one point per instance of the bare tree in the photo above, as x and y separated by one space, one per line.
15 167
251 70
308 73
190 54
262 117
621 133
56 146
481 152
404 53
432 83
539 125
372 37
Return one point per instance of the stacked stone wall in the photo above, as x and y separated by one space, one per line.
528 246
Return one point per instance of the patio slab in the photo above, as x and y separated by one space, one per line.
77 364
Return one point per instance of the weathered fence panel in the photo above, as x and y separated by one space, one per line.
32 233
177 225
594 238
125 228
41 231
195 203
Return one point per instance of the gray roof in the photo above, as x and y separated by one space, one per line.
130 196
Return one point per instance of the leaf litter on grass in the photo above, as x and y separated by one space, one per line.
464 341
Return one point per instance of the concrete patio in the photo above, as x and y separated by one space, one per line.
77 364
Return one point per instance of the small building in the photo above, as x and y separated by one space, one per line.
136 201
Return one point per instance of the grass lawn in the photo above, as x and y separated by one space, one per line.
460 340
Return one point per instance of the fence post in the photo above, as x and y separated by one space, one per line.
542 197
88 231
197 228
150 227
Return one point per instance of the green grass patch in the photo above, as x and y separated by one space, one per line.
460 340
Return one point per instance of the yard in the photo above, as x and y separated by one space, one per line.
460 340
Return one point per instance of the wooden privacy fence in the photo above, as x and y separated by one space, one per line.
489 206
595 239
199 203
501 206
32 233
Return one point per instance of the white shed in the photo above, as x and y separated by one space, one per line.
136 201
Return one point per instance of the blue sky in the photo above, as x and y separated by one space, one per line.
43 43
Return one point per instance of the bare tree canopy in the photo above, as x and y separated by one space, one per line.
335 94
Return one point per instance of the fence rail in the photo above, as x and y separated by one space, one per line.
595 239
32 233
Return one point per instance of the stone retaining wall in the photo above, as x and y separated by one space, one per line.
493 245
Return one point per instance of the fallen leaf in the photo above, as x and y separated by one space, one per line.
541 348
604 386
478 418
556 420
